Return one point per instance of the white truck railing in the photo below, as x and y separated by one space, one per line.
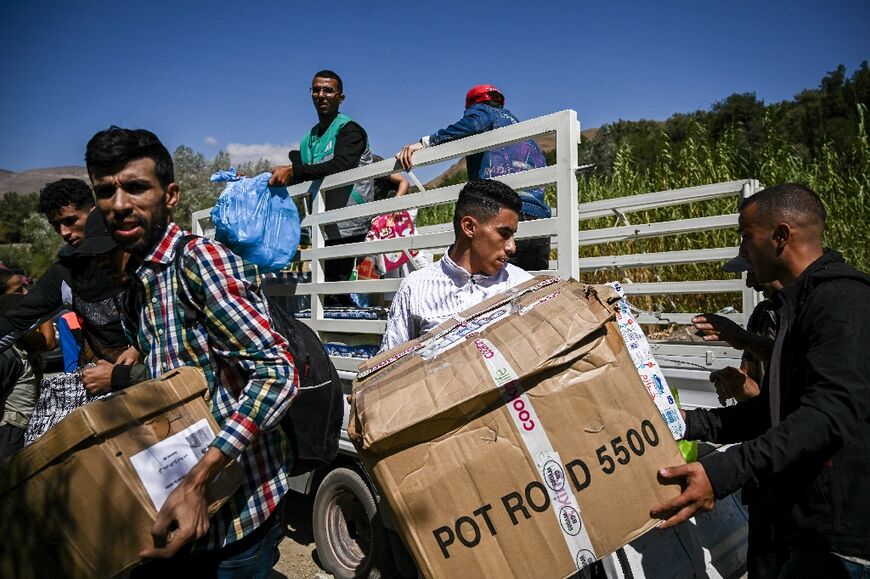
688 364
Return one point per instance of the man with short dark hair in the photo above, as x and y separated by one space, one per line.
474 268
66 203
485 111
251 378
756 340
336 143
807 435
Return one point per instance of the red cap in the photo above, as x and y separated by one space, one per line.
482 93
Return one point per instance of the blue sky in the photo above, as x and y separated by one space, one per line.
234 76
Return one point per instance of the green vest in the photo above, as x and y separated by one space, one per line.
318 149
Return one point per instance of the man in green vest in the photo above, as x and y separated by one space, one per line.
336 143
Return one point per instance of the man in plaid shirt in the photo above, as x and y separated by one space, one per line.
251 377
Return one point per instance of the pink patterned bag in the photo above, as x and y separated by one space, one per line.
391 226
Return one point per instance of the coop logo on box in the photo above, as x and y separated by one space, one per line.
569 518
584 558
554 475
484 349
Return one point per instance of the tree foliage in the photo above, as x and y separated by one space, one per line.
192 174
841 179
815 122
14 209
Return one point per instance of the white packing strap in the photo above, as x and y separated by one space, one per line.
644 362
458 333
442 341
415 181
526 309
477 324
551 469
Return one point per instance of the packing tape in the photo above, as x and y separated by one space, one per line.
650 373
476 324
551 469
447 338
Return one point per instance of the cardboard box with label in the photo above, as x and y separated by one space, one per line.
81 500
517 440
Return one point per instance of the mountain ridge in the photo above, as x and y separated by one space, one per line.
32 180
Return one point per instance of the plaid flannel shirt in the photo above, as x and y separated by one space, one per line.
251 377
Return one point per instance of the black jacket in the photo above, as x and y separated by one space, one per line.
817 460
11 368
96 297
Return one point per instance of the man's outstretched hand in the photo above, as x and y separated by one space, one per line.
697 494
282 176
734 383
719 328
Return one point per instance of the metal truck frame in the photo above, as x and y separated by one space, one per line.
349 524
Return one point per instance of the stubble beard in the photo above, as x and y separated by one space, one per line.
153 234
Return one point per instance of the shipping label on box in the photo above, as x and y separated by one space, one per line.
527 448
162 466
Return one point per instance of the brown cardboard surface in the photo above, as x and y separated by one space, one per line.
73 504
446 452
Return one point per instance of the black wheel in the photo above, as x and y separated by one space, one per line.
348 532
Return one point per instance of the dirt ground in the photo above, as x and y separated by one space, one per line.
298 555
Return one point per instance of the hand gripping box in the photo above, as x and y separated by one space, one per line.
81 500
517 440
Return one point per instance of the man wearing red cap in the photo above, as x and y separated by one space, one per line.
484 111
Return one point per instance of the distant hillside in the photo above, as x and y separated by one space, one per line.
546 142
32 180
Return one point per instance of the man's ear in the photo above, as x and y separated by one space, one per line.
468 225
341 98
781 236
171 197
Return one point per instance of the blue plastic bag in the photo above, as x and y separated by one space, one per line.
258 222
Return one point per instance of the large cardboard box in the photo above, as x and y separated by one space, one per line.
74 504
517 440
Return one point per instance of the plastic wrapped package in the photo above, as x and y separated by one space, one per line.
258 222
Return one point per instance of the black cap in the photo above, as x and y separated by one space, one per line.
97 239
736 265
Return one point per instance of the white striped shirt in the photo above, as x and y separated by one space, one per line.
430 296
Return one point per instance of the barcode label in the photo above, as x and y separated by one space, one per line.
199 440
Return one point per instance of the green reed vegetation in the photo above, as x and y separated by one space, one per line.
841 177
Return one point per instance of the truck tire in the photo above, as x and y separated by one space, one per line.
348 532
